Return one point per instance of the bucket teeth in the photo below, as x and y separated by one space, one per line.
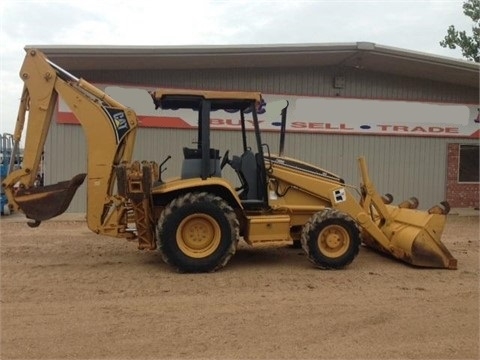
387 198
411 203
442 209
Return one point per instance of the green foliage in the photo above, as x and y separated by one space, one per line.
470 45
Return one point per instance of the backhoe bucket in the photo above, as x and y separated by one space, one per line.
45 202
410 235
415 238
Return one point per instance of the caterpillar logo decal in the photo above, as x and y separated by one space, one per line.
119 121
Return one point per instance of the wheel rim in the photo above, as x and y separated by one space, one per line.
198 235
333 241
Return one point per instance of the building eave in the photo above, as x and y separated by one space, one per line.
360 55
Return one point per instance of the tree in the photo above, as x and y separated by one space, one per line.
470 45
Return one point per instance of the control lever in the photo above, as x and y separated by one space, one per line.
162 170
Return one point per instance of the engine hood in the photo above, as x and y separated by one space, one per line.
298 165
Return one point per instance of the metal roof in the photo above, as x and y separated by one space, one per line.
362 55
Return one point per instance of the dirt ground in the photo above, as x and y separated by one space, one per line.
67 293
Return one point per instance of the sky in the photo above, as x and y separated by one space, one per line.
409 24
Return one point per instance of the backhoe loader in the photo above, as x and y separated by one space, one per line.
196 220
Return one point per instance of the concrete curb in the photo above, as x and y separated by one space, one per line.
464 212
19 217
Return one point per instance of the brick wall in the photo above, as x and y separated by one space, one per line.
459 195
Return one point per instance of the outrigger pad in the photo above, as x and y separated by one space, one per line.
45 202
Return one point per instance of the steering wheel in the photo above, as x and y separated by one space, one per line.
225 160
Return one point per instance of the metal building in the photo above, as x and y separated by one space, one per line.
405 158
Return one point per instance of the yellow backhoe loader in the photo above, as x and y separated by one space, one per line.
196 219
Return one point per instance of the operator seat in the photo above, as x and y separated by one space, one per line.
246 168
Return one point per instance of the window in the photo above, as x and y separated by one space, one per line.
468 166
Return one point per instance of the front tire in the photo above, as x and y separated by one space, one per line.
331 239
197 232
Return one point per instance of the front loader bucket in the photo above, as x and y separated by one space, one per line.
410 235
414 238
45 202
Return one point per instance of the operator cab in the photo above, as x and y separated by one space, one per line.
204 161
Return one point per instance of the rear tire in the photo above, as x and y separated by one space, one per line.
331 239
197 232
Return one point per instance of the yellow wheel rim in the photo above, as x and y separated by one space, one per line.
198 235
333 241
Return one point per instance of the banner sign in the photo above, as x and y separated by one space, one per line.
312 114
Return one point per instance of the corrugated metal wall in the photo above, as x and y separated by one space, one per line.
403 166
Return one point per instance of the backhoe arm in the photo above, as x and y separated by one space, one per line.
109 128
